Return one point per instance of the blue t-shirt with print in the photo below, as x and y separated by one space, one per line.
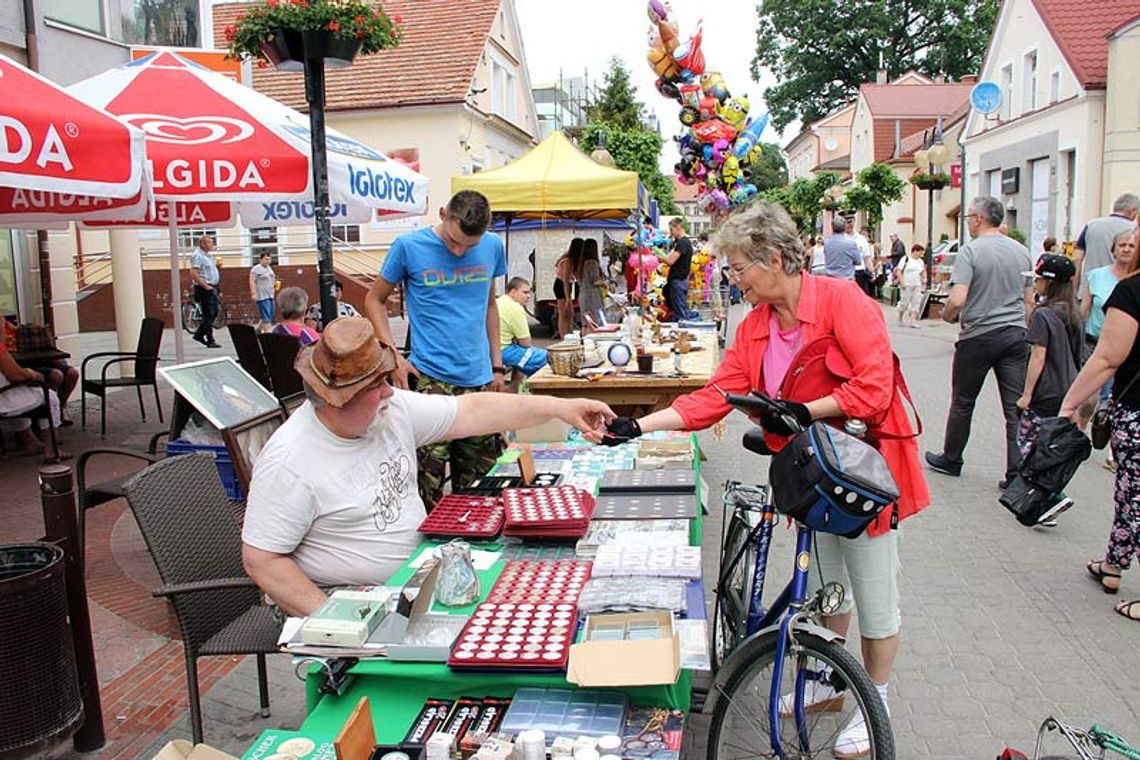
1101 282
447 299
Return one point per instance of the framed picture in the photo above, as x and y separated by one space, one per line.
245 440
224 393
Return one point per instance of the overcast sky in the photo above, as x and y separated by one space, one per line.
581 37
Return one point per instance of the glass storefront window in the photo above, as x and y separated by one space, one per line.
175 23
7 275
82 14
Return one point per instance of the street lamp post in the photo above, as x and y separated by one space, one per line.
931 158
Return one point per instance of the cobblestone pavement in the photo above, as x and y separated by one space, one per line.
1001 625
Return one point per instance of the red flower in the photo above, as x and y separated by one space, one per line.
360 19
241 18
392 33
271 3
359 34
399 19
262 63
230 30
334 26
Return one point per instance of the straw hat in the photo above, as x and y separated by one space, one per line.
345 361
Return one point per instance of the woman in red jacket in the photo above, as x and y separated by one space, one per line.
765 257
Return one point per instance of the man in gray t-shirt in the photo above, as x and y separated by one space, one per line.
1094 245
840 252
990 287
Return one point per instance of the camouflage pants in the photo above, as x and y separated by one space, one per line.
470 458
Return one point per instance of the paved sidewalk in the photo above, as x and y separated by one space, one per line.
1002 627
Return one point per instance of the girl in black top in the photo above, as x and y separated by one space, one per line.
1118 354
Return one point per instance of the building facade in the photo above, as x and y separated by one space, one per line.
1043 153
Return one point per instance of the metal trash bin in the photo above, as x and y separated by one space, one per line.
40 702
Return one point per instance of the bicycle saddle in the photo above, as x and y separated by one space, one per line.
754 442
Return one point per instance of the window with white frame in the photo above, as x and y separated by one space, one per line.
1007 92
263 240
188 239
1054 86
503 82
82 14
1029 82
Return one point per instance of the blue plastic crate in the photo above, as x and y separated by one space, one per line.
222 460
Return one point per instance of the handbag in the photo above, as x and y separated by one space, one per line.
34 338
830 481
1101 428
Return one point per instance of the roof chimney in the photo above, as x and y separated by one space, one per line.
881 74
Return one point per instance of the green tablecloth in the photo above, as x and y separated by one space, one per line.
397 690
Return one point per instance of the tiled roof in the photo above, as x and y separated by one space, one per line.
913 141
434 63
1081 29
915 100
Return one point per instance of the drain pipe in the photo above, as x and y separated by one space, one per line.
32 46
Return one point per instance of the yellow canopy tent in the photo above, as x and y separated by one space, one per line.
556 179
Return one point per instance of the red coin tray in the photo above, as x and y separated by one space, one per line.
540 581
555 512
465 515
516 636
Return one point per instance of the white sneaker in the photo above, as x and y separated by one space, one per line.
853 741
818 697
1048 518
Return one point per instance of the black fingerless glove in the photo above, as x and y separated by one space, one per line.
794 419
619 431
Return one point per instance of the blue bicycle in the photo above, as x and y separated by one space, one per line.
785 687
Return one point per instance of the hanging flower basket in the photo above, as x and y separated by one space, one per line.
925 181
286 32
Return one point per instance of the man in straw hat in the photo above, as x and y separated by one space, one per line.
333 499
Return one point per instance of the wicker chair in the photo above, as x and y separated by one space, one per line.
279 352
193 535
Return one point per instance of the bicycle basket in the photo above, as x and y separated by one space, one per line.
831 481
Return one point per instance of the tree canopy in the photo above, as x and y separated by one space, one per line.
820 51
803 199
617 104
635 150
769 170
875 186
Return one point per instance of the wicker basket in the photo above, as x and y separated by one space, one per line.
565 359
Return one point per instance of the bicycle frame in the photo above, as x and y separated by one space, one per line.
791 601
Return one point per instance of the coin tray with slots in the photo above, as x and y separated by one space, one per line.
540 581
465 515
555 512
646 506
525 636
649 481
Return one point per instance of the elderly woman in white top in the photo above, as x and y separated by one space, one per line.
25 398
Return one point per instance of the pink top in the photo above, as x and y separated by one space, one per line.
782 348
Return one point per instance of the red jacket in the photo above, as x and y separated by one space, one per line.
827 307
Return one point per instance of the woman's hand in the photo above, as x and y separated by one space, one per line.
1023 402
32 376
587 415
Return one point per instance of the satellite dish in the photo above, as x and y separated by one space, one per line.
831 143
986 97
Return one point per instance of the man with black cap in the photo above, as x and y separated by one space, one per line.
333 500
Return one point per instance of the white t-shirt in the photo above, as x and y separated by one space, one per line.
864 247
910 272
345 509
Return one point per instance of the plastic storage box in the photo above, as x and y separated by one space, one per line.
222 461
566 712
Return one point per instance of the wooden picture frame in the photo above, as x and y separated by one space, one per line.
245 441
220 390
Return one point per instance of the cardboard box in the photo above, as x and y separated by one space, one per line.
180 749
640 662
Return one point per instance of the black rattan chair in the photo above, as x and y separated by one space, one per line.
145 357
248 351
279 352
193 535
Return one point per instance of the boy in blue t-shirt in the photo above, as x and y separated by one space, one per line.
447 272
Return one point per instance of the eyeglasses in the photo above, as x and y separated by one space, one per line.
735 273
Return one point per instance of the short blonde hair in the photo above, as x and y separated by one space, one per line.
759 229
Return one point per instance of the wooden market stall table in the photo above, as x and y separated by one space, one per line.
397 690
631 393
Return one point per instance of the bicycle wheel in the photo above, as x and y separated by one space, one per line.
740 724
191 316
730 613
220 317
